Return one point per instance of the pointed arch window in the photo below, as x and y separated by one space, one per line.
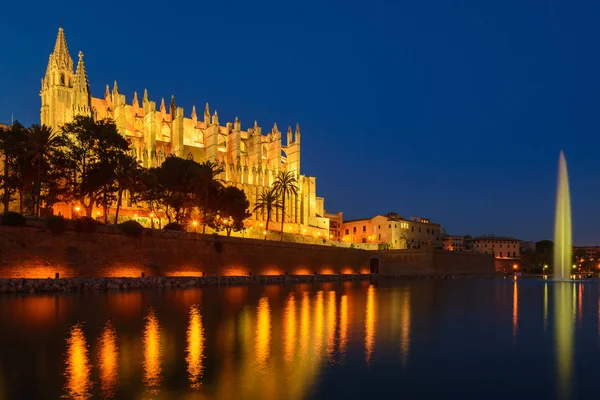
62 79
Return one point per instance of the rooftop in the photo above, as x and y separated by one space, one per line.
495 238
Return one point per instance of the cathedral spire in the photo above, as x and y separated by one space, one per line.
107 92
145 98
81 90
289 135
172 107
163 109
81 83
297 135
135 102
194 115
207 114
61 51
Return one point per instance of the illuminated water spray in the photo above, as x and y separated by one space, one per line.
563 252
564 309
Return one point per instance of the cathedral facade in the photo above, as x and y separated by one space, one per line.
250 159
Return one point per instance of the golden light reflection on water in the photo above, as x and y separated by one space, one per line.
331 321
564 319
370 324
290 328
405 329
515 316
263 332
343 325
108 363
304 322
152 353
195 347
78 385
545 305
317 341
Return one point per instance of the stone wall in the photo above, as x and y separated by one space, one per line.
32 252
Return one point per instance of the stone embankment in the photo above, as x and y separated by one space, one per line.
25 285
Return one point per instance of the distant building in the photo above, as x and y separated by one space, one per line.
499 246
506 250
394 231
454 243
527 246
589 253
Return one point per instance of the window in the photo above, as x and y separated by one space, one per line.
500 254
412 228
514 254
378 226
347 231
390 225
354 230
380 236
428 231
364 240
364 228
419 230
62 79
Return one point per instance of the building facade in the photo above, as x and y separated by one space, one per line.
392 230
454 243
251 160
499 246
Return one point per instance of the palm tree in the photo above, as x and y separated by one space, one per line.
43 142
285 185
267 202
209 171
127 178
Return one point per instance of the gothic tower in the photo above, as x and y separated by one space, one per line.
57 86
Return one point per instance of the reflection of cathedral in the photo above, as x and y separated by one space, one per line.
250 159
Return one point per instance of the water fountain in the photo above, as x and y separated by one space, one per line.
563 251
564 309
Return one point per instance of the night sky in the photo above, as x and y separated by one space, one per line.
450 110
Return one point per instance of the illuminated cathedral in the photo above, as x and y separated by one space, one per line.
251 160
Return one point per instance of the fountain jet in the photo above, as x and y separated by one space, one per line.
563 252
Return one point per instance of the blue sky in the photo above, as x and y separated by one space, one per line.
451 110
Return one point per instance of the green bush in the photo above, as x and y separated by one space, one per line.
131 228
12 218
86 225
56 224
173 226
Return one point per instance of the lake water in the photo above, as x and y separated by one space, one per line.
431 339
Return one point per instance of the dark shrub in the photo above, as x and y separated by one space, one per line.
86 225
131 228
173 226
56 224
12 218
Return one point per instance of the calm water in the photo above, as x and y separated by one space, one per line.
407 339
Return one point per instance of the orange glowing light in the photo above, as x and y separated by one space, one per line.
290 328
151 215
134 215
195 348
195 223
263 332
98 213
78 369
370 324
109 360
152 353
77 208
515 266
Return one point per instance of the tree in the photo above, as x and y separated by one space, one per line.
267 203
285 185
233 209
93 148
127 177
208 186
179 178
45 150
152 193
12 147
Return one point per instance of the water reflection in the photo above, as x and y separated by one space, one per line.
564 306
195 347
344 325
78 385
515 316
405 327
152 353
331 321
263 333
108 363
370 324
290 328
545 306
